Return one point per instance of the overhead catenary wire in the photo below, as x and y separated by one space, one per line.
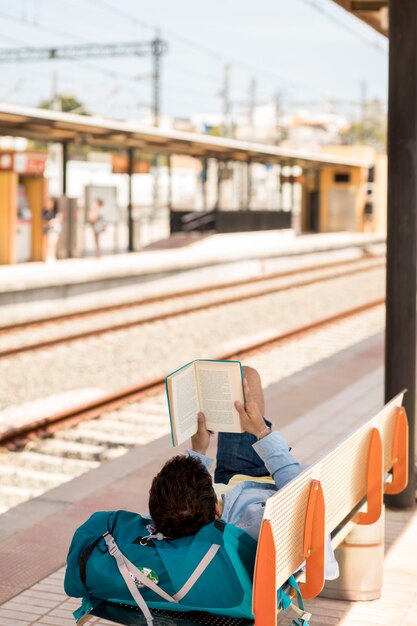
131 17
220 57
61 33
106 71
345 25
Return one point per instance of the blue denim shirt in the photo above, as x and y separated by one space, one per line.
244 505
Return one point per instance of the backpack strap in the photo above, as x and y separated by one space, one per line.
201 567
285 602
115 552
145 580
127 569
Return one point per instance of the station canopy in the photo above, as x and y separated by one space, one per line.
373 12
54 126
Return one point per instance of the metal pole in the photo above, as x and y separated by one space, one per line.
227 105
278 112
204 171
295 210
277 203
252 106
248 185
242 185
401 303
281 188
157 51
169 182
219 184
64 167
130 166
66 205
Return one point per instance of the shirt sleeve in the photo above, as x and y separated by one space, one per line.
206 461
280 463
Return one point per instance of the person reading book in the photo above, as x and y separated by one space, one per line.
250 467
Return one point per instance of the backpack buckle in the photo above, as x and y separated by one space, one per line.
113 549
110 543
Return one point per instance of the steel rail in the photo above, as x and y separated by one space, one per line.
6 328
46 426
151 319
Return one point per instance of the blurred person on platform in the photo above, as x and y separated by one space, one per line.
52 226
97 222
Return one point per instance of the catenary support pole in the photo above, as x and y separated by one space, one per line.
169 194
219 185
400 344
204 173
66 204
249 189
64 163
130 166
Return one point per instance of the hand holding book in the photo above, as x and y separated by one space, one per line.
251 418
206 386
201 440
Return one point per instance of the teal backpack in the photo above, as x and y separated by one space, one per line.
117 557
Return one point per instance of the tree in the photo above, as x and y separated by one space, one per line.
371 129
64 103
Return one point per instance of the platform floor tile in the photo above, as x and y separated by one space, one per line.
46 604
397 605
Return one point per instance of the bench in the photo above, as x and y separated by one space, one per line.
342 490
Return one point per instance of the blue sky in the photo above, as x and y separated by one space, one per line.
305 49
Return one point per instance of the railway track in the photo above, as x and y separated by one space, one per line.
32 324
45 453
18 338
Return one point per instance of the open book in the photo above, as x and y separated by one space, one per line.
208 386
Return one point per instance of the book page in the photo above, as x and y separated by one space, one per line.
219 385
183 398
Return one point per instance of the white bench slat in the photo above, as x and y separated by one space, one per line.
343 476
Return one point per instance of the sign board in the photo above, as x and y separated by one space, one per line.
120 164
29 163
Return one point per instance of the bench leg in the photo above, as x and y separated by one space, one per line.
361 562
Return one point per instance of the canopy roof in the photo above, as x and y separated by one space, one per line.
45 125
373 12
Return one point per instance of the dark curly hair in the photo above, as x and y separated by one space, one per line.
182 497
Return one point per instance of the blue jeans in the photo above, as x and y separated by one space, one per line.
235 455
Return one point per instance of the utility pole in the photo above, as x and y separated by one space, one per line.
252 104
278 114
157 51
227 105
76 52
155 48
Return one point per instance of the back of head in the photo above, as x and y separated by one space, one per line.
182 498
